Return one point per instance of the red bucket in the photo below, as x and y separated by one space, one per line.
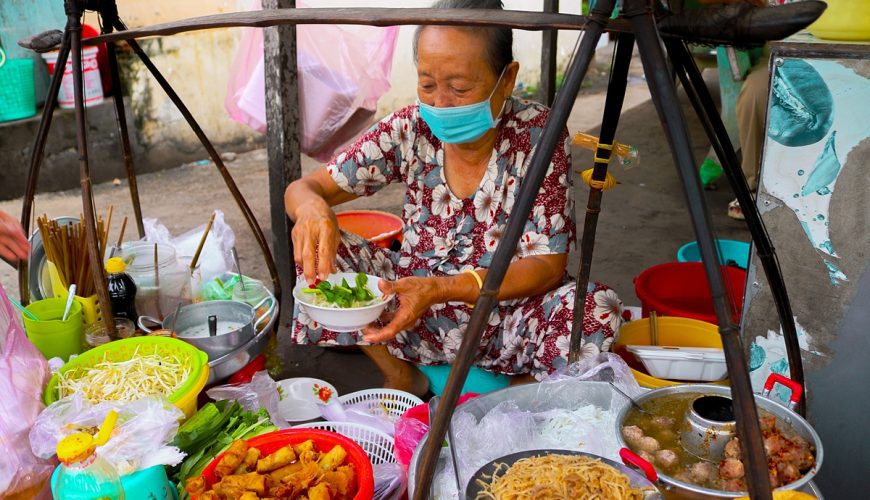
381 228
681 289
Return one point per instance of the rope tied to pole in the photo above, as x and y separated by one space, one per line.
608 182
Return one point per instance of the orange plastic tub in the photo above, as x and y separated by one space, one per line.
381 228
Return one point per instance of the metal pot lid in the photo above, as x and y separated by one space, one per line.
475 485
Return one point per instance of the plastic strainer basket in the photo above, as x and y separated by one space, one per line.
123 350
379 446
391 403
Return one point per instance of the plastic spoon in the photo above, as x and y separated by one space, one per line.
69 301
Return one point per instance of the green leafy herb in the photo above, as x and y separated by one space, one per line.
342 295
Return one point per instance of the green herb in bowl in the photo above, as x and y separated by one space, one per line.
344 295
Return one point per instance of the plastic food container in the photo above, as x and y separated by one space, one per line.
324 441
122 350
703 364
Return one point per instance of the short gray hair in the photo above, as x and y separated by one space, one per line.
499 41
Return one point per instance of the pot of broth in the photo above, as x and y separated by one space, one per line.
216 327
687 433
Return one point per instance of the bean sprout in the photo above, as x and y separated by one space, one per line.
141 376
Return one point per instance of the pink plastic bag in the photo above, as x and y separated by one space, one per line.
23 375
343 71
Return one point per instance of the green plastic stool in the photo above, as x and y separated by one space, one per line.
478 380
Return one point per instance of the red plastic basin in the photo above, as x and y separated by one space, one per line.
324 441
681 289
381 228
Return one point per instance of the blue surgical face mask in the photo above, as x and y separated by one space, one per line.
461 124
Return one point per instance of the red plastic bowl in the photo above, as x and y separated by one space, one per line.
381 228
681 289
324 441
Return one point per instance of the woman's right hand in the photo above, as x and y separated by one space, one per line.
315 240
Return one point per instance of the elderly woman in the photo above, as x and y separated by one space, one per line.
461 151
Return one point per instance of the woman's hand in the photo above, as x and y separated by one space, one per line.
416 296
13 243
315 241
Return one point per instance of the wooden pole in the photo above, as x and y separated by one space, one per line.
285 162
549 51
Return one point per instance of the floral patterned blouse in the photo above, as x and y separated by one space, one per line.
444 234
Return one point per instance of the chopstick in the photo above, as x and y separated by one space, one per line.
195 259
66 247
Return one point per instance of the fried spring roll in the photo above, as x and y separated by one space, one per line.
303 447
195 486
246 482
332 459
208 495
278 474
319 492
231 459
249 495
280 458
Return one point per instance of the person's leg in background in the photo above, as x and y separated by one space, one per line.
751 109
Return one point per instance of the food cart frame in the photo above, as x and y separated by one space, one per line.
636 23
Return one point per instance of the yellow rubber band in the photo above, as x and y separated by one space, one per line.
608 147
599 159
608 183
477 278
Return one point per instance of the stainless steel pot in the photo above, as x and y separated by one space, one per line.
239 319
787 416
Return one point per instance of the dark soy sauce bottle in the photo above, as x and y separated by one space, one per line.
122 290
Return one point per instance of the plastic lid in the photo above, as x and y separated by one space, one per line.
75 447
81 445
115 265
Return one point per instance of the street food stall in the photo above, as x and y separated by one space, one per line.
583 431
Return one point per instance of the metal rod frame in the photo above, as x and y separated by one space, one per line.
664 97
711 120
612 108
72 43
639 14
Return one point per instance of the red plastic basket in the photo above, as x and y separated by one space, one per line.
324 441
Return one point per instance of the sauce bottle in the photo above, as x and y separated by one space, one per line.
122 290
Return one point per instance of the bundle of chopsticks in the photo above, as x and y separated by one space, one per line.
66 247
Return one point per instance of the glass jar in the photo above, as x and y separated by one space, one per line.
160 290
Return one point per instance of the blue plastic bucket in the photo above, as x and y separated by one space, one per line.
478 381
730 252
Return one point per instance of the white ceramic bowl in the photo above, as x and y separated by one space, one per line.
339 319
299 398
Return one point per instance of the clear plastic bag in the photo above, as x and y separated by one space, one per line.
216 257
389 481
140 440
340 82
23 375
260 392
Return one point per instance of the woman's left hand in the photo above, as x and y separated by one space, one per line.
416 295
14 246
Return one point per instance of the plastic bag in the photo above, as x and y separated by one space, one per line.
140 440
23 375
216 257
389 481
260 392
334 411
606 367
340 82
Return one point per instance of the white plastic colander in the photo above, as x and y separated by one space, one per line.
389 403
379 446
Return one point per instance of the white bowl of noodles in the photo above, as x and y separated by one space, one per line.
335 311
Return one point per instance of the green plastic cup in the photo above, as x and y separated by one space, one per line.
52 336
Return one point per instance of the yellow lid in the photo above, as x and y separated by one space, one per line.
79 446
115 265
75 447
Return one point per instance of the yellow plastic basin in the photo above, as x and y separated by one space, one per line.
672 331
843 20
